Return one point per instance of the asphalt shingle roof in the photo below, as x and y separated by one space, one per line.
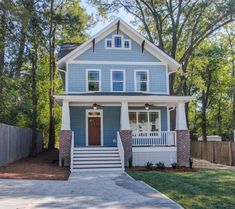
66 48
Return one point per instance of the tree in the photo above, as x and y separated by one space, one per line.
176 26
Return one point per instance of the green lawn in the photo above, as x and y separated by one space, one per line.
206 188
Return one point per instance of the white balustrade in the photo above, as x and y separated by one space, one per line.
120 149
154 138
72 148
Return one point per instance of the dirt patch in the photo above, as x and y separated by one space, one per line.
179 169
44 166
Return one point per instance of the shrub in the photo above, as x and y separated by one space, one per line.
130 162
149 165
62 162
174 165
160 165
190 162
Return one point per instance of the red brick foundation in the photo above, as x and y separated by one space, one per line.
183 147
126 137
65 147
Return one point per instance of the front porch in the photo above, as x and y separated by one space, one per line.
142 124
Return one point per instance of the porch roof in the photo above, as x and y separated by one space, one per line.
133 97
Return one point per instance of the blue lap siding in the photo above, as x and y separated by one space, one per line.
111 123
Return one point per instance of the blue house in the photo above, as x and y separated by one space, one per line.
116 107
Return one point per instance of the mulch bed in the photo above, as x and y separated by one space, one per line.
45 166
179 169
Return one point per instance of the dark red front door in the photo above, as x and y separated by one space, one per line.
94 135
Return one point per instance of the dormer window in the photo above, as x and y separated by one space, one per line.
117 42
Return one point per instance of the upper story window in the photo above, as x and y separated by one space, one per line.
141 80
117 80
93 80
117 42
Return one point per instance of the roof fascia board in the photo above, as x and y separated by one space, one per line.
134 99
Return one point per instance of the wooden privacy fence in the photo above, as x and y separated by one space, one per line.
215 152
16 143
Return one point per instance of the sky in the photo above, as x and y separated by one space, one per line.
101 24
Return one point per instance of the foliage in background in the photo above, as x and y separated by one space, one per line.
25 34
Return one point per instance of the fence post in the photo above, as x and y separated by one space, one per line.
230 153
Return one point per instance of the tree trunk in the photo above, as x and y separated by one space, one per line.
51 143
34 101
204 118
19 61
2 45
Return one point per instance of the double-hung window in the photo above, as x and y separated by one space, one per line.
93 80
144 121
117 41
117 80
142 80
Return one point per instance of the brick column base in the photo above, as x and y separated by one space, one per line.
183 147
65 147
126 137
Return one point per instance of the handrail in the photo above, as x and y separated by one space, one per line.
71 151
120 149
154 138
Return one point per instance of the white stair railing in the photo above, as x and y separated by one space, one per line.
71 151
154 138
120 149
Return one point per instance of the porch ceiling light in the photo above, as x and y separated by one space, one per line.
95 106
146 106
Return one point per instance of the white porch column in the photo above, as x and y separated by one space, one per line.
180 117
124 117
65 116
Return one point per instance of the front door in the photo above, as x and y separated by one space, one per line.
94 133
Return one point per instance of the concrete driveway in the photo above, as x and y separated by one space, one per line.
82 190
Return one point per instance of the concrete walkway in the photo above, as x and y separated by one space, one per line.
82 190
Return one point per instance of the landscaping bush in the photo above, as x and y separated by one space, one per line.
190 162
130 162
174 165
160 165
149 165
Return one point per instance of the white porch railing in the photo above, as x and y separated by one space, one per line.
154 138
71 152
120 149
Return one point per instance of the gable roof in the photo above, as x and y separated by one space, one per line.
66 48
173 65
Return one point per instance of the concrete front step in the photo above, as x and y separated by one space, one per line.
94 148
97 169
95 151
96 162
98 166
96 158
96 155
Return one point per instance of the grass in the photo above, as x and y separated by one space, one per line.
207 188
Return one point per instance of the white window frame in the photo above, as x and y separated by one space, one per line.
124 79
87 81
113 43
148 111
135 77
101 125
106 40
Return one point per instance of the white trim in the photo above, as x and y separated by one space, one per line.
135 99
118 104
115 62
113 42
135 80
105 43
127 29
124 79
87 82
67 79
153 149
167 80
168 119
101 125
137 119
